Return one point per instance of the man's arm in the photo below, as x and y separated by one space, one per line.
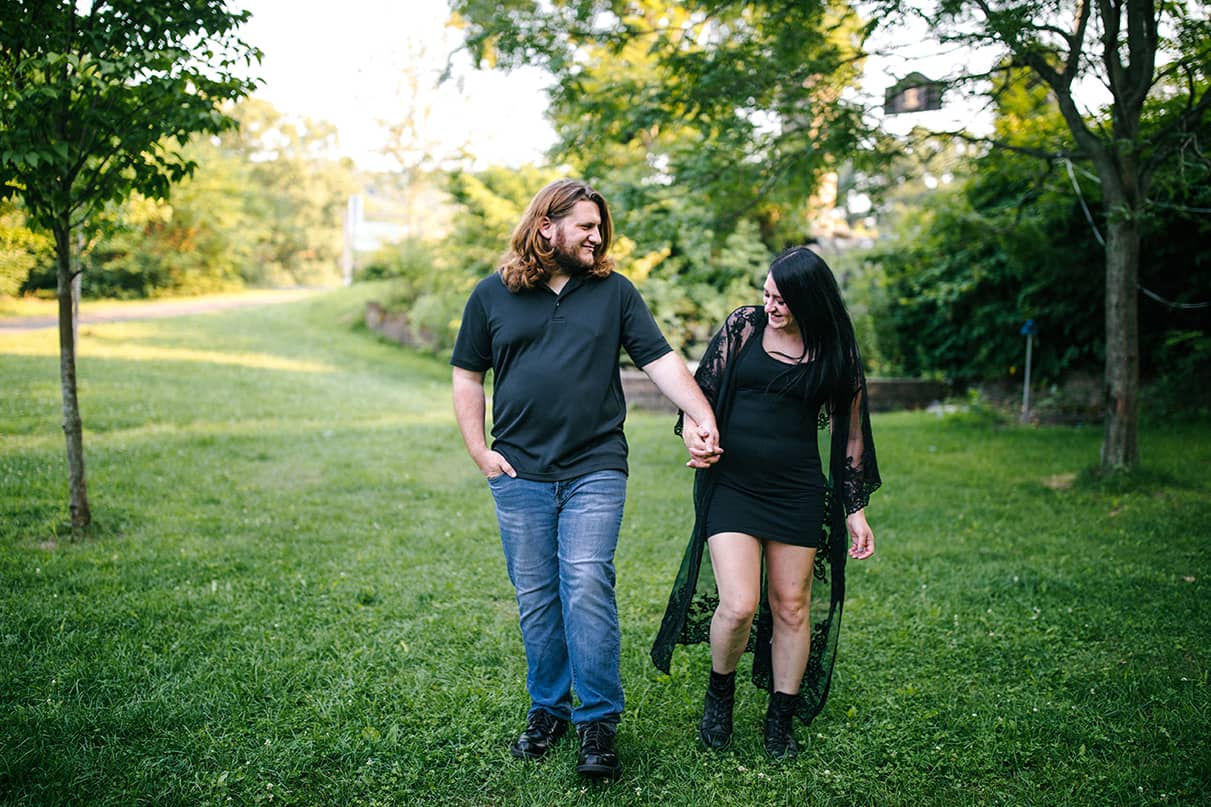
673 379
469 411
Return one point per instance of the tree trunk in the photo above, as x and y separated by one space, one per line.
1120 444
73 427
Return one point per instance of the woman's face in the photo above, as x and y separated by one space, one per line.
779 313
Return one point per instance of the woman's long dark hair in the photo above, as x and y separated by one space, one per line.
810 291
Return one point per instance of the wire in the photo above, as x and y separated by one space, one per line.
1169 205
1097 234
1088 216
1170 303
1183 208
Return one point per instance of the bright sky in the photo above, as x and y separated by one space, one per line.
344 62
898 51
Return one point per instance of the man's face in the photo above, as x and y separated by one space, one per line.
575 237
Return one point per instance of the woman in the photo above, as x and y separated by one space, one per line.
774 375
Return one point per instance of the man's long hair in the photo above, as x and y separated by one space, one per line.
531 257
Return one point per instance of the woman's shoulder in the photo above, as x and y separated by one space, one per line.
740 326
749 312
745 315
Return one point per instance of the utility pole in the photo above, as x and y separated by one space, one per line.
353 214
1029 329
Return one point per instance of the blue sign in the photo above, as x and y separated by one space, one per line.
1030 329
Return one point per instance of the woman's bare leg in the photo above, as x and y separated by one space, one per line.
788 571
736 560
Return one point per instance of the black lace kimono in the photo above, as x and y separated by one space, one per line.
853 475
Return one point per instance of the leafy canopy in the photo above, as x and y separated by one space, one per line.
738 106
1011 241
93 96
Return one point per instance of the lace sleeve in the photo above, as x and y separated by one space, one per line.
723 345
860 474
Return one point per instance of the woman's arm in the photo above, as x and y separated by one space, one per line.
863 539
859 474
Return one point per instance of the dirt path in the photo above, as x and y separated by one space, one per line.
91 314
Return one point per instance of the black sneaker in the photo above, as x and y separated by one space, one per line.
542 729
597 758
715 728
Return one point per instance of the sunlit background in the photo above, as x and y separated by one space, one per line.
350 63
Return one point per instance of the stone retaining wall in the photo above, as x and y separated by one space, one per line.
886 394
392 325
891 394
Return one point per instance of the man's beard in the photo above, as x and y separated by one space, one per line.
569 260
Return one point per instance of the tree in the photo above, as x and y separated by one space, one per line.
731 109
1145 55
21 248
93 96
743 104
704 123
1008 240
198 243
295 202
418 147
1000 243
264 207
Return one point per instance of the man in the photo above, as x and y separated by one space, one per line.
550 324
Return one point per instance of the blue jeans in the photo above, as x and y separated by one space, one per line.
559 540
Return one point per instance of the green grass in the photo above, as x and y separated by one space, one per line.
294 594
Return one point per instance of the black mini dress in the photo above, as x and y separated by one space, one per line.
769 482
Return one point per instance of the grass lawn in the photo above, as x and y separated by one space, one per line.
294 594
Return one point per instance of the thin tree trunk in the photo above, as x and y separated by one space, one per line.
1120 445
73 427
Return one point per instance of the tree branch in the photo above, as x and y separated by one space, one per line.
1108 12
1030 151
1164 141
1076 46
1141 48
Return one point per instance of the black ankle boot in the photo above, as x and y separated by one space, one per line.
715 728
779 720
542 730
597 759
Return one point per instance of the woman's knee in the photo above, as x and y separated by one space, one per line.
736 611
790 611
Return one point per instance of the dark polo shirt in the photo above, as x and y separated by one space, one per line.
557 403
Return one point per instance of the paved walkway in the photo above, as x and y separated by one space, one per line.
157 309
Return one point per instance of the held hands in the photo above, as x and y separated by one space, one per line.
494 464
702 441
863 545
